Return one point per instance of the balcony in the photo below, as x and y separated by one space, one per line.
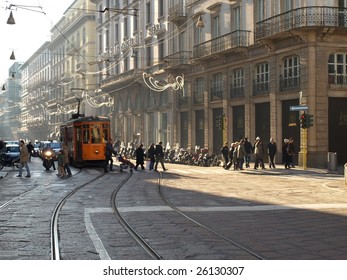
81 67
67 77
125 77
289 84
260 88
301 18
216 94
222 45
179 60
178 13
198 97
236 92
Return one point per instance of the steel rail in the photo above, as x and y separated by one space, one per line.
55 251
256 255
149 250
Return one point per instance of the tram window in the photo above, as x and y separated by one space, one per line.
85 136
96 136
106 135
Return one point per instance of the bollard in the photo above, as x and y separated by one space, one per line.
346 173
332 161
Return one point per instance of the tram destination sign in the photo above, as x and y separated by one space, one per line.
298 108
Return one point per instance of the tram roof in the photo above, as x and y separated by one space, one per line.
89 119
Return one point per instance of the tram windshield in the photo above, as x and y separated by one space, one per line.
96 134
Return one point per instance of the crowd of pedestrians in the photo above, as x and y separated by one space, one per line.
239 154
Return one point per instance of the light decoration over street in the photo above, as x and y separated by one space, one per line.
156 85
95 102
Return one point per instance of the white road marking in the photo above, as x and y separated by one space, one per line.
99 247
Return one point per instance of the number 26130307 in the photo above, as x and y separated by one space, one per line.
220 270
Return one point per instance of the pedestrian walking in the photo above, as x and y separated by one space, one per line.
285 155
249 151
151 156
159 156
66 160
61 168
291 152
24 158
241 152
272 150
258 153
225 153
30 148
140 157
108 156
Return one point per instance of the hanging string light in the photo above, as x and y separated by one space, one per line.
156 85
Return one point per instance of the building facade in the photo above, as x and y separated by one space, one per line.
199 72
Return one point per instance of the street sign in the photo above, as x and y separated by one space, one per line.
298 108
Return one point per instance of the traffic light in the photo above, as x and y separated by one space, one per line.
309 120
303 121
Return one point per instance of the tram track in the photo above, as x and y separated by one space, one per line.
55 250
237 244
146 244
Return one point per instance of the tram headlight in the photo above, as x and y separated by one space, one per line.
96 151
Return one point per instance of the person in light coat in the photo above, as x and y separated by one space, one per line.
24 158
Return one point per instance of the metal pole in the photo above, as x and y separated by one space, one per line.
304 158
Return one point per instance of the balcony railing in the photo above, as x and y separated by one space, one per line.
302 17
216 94
198 97
236 92
288 84
239 38
338 80
260 88
178 11
177 59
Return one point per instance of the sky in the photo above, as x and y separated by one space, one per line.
29 33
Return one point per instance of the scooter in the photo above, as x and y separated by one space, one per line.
7 161
47 158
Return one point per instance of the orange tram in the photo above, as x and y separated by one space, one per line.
86 139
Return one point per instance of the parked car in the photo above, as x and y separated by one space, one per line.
12 152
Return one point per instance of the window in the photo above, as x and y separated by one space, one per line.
161 8
237 18
148 10
149 56
261 82
217 87
260 10
290 79
238 83
116 32
337 68
199 91
198 35
215 27
125 27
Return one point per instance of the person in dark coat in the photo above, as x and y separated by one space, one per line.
108 155
249 151
225 153
272 150
30 148
159 156
140 157
151 156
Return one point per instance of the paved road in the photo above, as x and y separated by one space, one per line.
280 214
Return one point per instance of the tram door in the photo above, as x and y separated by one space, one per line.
78 151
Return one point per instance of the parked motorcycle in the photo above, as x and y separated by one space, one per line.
6 160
